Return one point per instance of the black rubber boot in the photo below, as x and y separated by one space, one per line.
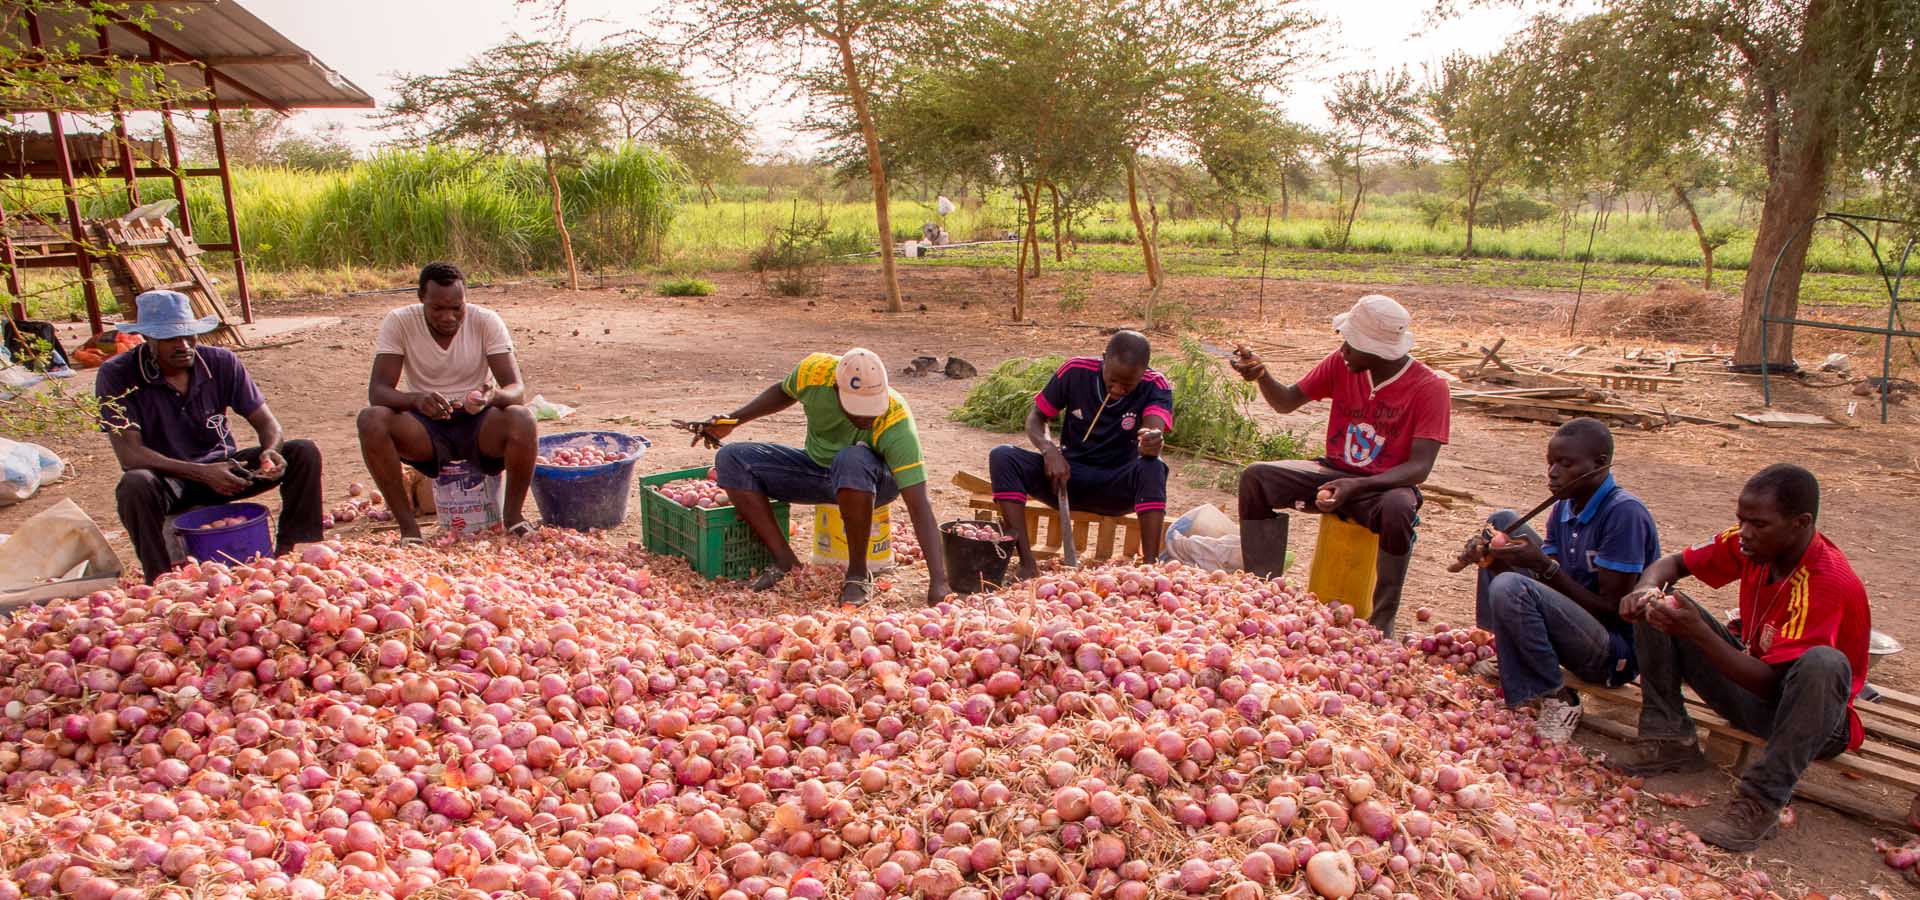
1263 545
1390 575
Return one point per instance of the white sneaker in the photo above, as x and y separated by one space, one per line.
1556 720
1488 669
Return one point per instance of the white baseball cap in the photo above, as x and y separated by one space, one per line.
1377 325
862 380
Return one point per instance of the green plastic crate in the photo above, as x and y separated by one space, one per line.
716 541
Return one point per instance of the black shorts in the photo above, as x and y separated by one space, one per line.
456 439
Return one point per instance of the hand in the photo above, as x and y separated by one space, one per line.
1248 365
712 432
1676 617
1520 553
1469 556
433 406
271 465
478 400
937 592
1152 440
1058 471
1633 606
1336 492
225 477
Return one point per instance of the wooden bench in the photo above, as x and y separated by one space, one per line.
1889 758
1043 524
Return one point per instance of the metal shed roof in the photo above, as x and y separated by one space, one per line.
254 64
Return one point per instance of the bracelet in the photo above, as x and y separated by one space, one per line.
1552 571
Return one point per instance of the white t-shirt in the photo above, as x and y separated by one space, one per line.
451 371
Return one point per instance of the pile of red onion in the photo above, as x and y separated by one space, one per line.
360 504
561 717
576 457
695 492
972 531
1903 857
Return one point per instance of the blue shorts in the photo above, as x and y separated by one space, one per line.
455 439
1138 486
789 474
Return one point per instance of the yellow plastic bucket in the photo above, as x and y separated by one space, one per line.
1343 561
830 537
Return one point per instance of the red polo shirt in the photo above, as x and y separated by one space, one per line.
1822 604
1372 426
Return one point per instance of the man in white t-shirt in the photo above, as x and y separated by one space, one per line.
464 398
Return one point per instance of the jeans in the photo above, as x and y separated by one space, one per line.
146 498
789 474
1138 486
1805 720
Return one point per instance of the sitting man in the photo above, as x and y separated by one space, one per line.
1390 416
464 399
862 451
164 408
1558 604
1791 673
1109 465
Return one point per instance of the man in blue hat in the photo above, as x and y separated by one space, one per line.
164 408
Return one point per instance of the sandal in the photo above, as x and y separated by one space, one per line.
413 542
768 577
522 529
856 592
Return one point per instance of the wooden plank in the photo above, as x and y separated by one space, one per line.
1772 419
1897 698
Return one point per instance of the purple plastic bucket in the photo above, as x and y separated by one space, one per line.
230 544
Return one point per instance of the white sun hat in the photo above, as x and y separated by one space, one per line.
1376 325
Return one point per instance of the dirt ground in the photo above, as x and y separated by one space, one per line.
631 361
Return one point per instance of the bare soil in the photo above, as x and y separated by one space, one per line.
631 361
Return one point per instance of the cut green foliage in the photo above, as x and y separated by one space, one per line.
688 286
1209 407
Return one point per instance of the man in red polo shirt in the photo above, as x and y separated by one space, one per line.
1390 416
1790 673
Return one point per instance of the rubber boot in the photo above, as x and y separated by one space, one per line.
1263 545
1390 575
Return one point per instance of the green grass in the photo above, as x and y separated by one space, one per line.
687 286
1208 407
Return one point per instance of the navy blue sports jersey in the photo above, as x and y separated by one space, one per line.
1096 432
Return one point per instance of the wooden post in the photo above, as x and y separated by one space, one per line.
13 268
173 152
83 259
120 134
226 194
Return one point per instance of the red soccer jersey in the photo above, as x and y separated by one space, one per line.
1822 604
1372 427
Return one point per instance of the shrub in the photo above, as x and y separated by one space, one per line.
687 286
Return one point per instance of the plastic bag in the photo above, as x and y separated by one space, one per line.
545 410
23 468
1205 538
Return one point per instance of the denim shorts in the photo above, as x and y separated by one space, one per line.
789 474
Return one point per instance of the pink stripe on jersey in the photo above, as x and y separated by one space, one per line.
1156 379
1148 507
1079 362
1165 414
1046 409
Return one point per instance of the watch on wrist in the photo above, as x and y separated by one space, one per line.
1552 570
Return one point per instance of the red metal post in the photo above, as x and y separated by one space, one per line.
65 160
173 156
226 193
120 133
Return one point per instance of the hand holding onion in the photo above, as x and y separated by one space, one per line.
476 401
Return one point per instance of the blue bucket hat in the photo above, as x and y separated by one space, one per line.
165 315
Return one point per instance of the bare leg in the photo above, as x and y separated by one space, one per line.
1014 517
754 507
510 432
1153 526
387 437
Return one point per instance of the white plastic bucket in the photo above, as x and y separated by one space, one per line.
467 502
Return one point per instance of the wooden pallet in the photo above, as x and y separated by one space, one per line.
151 255
1043 524
1890 756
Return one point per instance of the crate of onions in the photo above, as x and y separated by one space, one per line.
685 513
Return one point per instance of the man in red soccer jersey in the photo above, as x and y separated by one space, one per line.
1790 673
1390 416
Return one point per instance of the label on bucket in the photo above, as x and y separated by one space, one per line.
830 537
467 502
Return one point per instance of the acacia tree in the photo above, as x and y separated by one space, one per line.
1374 114
1477 120
1246 149
547 97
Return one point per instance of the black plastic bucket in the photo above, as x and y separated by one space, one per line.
973 565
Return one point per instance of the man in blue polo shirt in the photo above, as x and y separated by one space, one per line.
1557 604
1114 414
163 406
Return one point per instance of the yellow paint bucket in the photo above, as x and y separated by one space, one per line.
830 537
1343 564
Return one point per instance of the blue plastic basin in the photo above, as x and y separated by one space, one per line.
587 497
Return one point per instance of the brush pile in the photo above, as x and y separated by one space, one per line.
560 717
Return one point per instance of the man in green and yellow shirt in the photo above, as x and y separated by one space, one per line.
862 449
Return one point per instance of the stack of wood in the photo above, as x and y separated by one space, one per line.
149 254
1561 390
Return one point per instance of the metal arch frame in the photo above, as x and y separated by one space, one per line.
1896 324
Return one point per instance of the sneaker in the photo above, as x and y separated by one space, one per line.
1742 826
1488 669
1556 720
1663 757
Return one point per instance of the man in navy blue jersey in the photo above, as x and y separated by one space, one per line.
1114 415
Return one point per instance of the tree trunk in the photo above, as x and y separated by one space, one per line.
1059 252
1147 252
876 169
1353 215
1699 234
1033 225
560 222
1283 198
1473 213
1020 269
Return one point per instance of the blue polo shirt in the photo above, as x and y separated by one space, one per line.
1095 431
191 426
1614 532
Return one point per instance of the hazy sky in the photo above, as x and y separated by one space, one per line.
370 40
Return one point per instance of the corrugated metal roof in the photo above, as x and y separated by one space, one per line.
257 66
